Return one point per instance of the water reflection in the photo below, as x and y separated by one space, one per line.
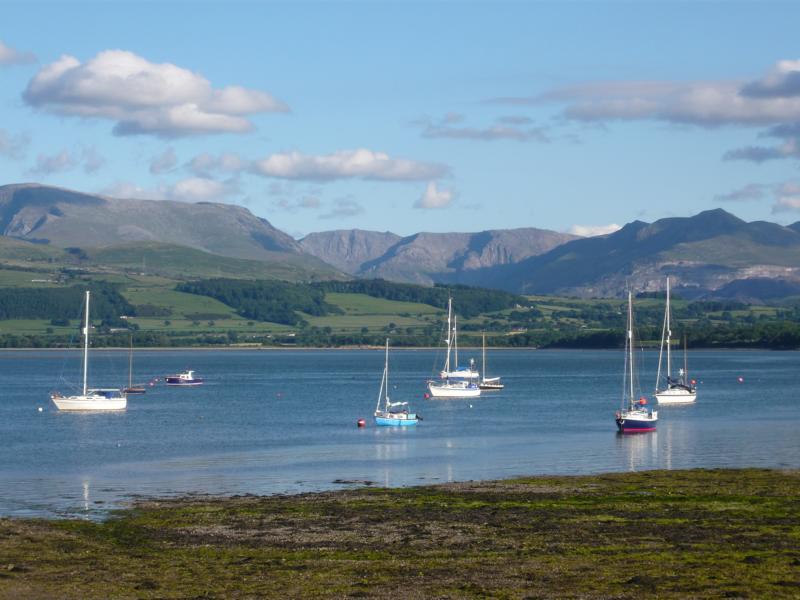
639 450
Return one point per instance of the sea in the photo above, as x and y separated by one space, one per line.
285 422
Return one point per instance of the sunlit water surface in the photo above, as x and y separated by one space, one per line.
285 421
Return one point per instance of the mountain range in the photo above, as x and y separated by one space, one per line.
428 258
711 254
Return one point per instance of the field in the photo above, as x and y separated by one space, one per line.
543 320
660 534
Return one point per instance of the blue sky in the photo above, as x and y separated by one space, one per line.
404 116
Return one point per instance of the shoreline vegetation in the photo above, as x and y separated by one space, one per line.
216 313
701 533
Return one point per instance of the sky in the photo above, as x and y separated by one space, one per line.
405 116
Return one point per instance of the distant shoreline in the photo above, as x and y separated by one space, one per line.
355 348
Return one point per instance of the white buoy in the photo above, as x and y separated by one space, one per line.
40 409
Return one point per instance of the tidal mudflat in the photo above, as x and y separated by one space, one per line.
701 533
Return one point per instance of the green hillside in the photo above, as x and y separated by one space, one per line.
185 263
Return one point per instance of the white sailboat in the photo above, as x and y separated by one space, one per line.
467 373
457 383
488 383
672 390
392 413
634 416
90 398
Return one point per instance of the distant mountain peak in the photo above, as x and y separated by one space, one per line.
427 257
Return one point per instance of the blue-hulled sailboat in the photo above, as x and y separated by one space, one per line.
393 413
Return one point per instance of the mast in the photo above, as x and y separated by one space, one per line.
384 378
669 337
685 361
386 373
86 345
630 343
483 358
130 364
455 338
449 332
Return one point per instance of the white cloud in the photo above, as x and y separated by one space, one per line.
758 154
787 198
346 164
342 208
128 190
143 97
773 99
752 191
782 81
516 129
293 205
199 189
205 164
66 160
13 146
193 189
92 160
434 197
593 230
164 162
10 56
46 165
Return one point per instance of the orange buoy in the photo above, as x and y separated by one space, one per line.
361 423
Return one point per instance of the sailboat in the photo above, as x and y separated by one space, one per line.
132 389
675 390
634 416
393 413
488 383
460 372
458 383
90 398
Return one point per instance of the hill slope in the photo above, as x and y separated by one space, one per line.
54 218
65 218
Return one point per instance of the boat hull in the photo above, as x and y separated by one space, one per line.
636 423
445 391
491 385
89 403
396 420
676 396
177 382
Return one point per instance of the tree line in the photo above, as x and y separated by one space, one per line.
273 301
469 301
63 304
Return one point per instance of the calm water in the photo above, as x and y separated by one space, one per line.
285 421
